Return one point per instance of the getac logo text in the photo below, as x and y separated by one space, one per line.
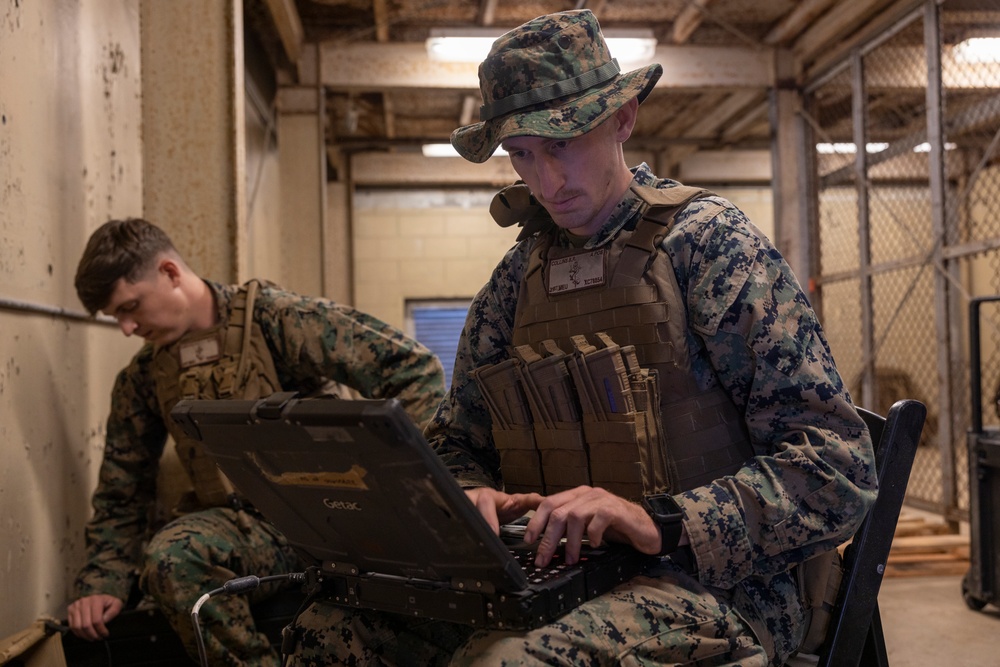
341 505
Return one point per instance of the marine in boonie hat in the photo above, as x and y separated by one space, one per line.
552 77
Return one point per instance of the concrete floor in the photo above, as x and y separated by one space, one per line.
927 624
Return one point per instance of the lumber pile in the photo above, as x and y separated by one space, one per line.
922 548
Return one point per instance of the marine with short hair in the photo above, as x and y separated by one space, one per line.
208 340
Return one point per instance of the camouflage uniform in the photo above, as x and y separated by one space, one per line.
752 331
309 340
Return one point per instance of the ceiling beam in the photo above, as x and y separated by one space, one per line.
366 66
796 21
487 12
688 21
289 25
833 25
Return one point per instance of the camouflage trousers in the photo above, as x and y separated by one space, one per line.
669 619
200 552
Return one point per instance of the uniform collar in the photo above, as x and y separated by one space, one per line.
627 210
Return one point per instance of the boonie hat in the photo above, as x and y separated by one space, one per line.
552 77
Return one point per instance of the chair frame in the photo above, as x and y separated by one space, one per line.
855 634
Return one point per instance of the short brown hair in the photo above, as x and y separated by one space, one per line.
117 249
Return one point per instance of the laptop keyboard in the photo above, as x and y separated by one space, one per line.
556 567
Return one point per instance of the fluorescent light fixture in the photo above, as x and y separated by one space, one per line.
978 50
632 46
846 148
447 150
926 147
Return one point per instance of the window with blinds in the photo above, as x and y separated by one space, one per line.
438 325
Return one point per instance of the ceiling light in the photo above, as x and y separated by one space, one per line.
978 50
447 150
846 148
632 46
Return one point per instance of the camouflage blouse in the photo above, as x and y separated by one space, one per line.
310 339
751 330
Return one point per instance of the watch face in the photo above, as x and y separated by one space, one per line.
663 507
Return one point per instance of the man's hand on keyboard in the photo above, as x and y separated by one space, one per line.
593 513
498 507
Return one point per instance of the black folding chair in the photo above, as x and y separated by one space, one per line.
855 634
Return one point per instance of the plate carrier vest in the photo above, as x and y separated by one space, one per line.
557 379
598 389
237 364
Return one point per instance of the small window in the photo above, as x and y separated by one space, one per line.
438 325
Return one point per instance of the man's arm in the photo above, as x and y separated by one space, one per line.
125 491
813 475
312 338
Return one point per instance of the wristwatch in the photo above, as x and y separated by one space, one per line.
667 514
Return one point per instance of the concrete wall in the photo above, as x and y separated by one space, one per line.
70 159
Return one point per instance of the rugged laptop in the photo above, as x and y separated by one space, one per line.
360 494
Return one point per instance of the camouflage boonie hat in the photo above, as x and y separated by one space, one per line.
552 77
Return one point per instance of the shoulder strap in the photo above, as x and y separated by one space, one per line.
240 328
657 219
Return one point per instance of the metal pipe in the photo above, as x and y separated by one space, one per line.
55 311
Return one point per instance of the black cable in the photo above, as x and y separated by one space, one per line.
236 586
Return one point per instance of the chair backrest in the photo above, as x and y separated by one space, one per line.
855 634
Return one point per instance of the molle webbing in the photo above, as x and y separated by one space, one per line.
243 368
562 420
640 308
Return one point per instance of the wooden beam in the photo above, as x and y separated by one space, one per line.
364 66
470 109
797 20
845 17
289 25
381 14
487 12
688 21
736 102
414 170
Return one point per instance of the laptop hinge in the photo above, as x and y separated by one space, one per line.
477 585
272 406
334 567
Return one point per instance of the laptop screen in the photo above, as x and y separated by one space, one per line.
353 486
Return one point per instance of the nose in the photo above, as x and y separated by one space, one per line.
551 178
127 325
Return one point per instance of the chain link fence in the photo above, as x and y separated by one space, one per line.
906 133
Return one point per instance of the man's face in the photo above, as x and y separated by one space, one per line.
579 181
153 307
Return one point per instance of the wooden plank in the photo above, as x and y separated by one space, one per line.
362 66
289 25
926 543
927 569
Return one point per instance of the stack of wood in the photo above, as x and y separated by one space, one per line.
922 547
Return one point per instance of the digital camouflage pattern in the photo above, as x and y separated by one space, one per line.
310 340
551 77
752 331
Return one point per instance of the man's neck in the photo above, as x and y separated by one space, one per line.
204 309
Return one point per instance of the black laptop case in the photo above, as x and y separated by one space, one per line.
360 494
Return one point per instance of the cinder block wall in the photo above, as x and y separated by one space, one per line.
445 245
423 245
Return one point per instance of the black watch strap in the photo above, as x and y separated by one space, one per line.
667 515
670 537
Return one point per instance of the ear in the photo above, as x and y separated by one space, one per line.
625 117
171 269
